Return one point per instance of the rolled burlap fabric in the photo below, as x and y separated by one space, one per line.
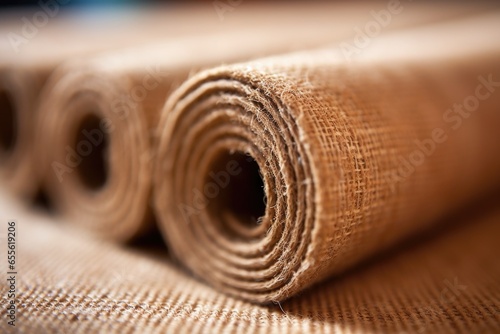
98 116
275 174
97 123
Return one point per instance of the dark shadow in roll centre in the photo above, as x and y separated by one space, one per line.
91 148
234 186
8 123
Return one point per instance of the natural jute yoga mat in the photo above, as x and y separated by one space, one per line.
98 116
71 283
275 174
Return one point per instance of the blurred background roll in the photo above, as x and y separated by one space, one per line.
277 173
36 41
98 115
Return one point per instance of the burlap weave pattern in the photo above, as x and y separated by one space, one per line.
332 142
73 283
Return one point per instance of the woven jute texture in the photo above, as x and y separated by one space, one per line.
69 283
274 174
98 115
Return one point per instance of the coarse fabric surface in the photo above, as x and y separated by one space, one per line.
448 282
275 174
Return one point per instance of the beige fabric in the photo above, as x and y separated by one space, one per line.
70 283
119 96
353 155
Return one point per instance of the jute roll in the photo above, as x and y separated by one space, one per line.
275 174
98 116
97 122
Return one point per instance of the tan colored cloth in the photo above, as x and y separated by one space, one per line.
71 283
109 106
353 156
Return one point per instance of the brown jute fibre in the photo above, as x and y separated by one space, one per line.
332 141
98 116
69 283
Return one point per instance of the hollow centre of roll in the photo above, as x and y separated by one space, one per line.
241 189
8 123
90 149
